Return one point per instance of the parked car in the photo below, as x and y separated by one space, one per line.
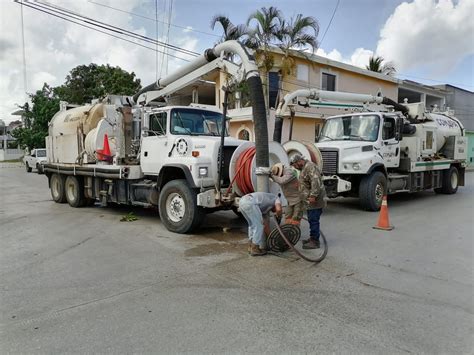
35 159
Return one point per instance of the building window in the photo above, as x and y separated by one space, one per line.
328 82
244 135
302 72
273 86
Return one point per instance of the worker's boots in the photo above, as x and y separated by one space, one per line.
311 244
256 251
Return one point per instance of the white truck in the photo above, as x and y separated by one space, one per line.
385 148
35 159
152 154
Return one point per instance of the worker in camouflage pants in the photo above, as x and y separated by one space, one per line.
313 194
287 178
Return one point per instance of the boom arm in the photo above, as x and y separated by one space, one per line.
316 94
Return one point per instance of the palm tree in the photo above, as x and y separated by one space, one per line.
267 21
231 31
294 35
261 37
376 64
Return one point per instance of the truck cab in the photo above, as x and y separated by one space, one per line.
357 145
184 141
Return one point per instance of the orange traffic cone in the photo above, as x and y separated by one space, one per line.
384 222
104 154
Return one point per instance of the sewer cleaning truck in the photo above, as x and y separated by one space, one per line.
383 147
145 152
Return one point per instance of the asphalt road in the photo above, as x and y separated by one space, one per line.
81 281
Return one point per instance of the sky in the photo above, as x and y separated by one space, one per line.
429 41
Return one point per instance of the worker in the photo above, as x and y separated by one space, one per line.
287 178
313 194
254 207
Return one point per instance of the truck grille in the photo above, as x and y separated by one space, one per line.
330 161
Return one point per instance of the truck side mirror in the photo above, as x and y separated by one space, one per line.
399 129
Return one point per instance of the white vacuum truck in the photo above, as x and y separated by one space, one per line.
385 147
175 157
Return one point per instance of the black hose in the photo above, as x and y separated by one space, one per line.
292 247
221 147
145 89
278 129
260 121
402 108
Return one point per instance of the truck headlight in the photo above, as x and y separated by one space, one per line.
203 172
356 166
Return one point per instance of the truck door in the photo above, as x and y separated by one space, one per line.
390 145
154 143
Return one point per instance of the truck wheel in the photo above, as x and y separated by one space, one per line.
28 168
39 169
74 191
178 207
450 181
56 183
372 188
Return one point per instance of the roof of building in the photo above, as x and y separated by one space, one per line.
415 84
333 63
445 86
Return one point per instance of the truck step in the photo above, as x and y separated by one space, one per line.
142 204
397 176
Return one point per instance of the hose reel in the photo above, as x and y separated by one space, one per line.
276 243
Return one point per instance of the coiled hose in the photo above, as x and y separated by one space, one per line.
316 260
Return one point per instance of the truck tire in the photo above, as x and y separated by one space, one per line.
56 182
28 168
74 191
372 188
449 181
178 207
39 169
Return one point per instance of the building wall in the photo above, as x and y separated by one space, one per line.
11 154
462 102
346 81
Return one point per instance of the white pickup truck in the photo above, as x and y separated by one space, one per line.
35 159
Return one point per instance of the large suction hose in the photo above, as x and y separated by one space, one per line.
261 132
292 247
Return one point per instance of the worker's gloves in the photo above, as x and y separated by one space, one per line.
292 221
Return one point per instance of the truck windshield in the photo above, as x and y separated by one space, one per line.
195 122
41 153
356 127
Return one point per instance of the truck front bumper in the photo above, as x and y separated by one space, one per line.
335 185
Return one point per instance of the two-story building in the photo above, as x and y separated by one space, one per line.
308 71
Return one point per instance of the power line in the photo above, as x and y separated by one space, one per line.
24 55
92 28
150 19
170 11
330 22
108 27
156 31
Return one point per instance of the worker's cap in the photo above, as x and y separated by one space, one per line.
277 169
296 158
